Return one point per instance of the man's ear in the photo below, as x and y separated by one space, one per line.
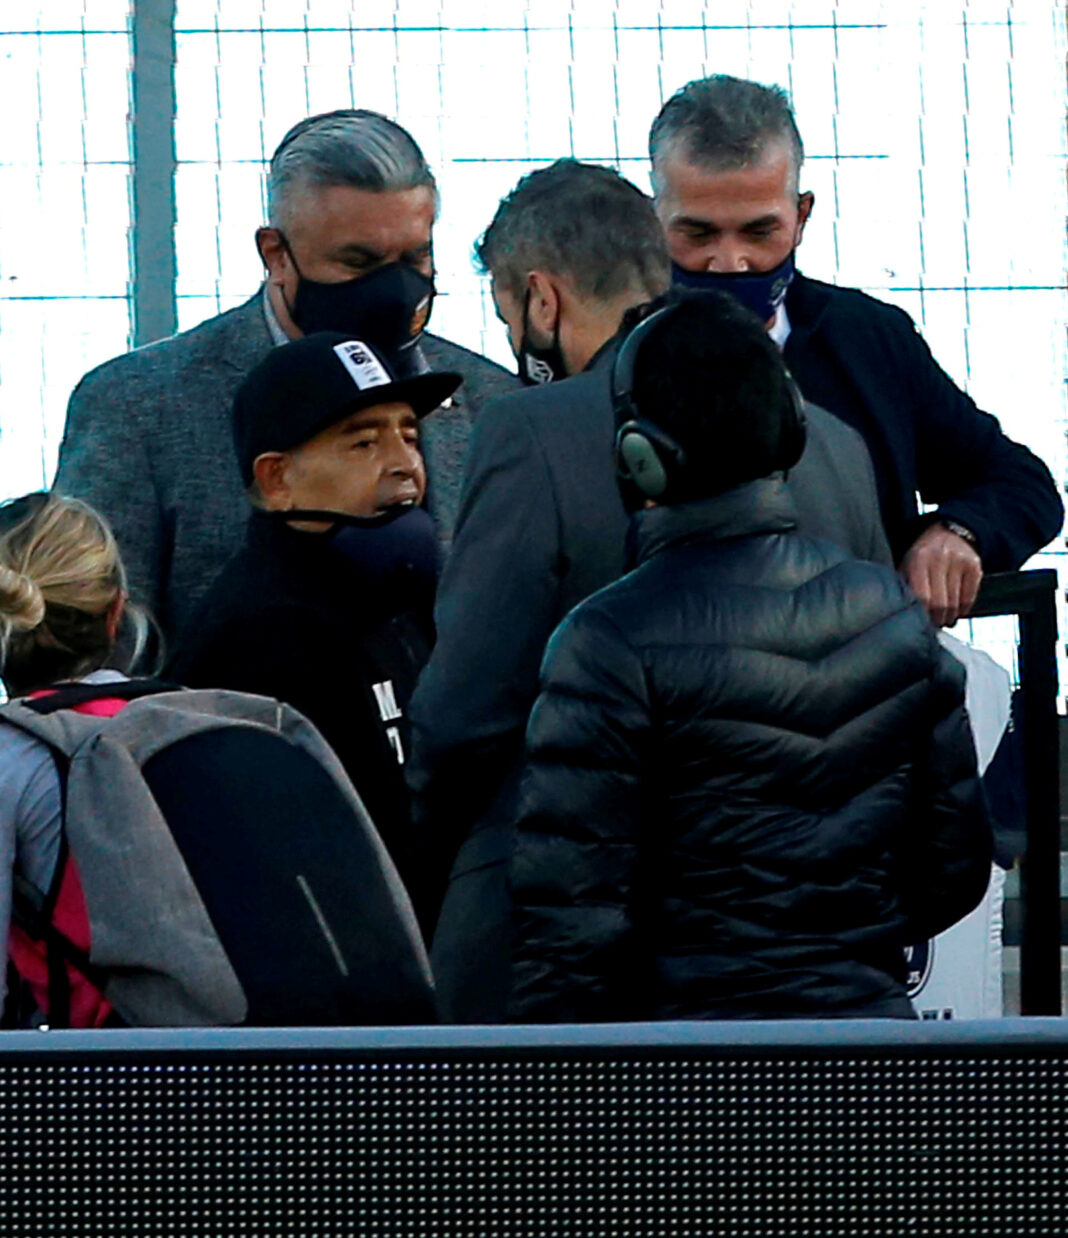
805 202
270 471
544 306
272 251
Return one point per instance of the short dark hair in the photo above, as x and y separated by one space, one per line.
712 378
349 146
578 220
724 122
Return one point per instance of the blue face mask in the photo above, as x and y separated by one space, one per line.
760 291
400 540
396 551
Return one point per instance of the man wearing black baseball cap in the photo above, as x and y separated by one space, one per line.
328 604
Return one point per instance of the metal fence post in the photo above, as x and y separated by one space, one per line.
153 265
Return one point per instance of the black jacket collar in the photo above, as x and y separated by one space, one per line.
267 532
807 300
762 506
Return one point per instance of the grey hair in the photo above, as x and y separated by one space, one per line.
580 220
723 122
351 146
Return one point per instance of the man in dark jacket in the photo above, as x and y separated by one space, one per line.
751 780
541 527
328 606
726 160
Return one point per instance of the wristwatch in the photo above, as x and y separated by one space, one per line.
962 531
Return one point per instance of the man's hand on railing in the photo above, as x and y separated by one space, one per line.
944 572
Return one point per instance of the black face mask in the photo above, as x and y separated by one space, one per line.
539 365
390 306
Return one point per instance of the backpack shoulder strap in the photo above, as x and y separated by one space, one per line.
71 695
31 910
55 718
63 731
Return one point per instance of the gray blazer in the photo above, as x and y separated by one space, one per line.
541 527
148 443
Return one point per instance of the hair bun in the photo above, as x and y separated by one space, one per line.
22 604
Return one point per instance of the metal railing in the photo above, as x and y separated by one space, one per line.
836 1129
1032 597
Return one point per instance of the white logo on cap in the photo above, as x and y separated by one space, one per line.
365 368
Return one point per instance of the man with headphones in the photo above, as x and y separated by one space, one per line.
541 527
750 778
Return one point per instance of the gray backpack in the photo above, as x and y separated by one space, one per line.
217 867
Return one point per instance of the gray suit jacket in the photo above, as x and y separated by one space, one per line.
541 527
148 443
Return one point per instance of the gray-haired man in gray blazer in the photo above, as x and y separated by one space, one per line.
148 439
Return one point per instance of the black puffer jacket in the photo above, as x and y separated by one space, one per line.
751 783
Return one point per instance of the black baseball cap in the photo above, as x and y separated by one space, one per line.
303 386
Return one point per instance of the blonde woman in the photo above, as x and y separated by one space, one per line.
62 597
277 860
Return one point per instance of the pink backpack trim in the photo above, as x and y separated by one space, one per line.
70 917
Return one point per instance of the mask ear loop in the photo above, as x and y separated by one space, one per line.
526 322
326 515
525 347
300 274
524 357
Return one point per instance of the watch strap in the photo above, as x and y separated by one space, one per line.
962 531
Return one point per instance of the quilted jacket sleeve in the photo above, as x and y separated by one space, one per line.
577 848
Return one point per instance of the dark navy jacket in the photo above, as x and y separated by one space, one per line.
864 360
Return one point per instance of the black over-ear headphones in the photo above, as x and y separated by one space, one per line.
649 461
794 426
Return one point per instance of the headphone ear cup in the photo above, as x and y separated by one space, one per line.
794 427
638 461
650 463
